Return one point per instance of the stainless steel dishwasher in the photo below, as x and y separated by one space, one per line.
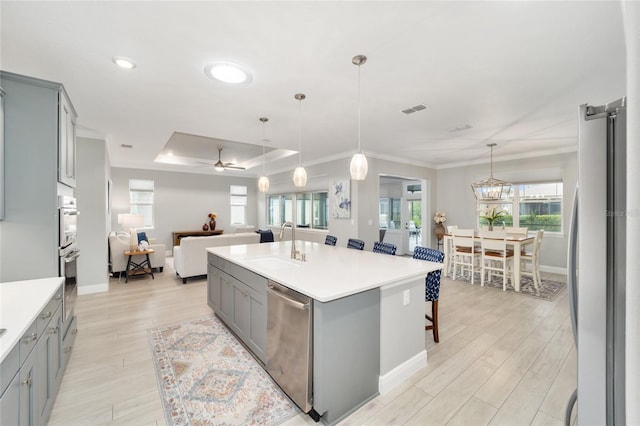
289 343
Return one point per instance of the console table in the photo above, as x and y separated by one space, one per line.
177 235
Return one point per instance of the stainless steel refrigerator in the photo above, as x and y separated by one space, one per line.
596 263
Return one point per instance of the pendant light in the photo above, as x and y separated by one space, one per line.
359 166
263 182
300 174
491 189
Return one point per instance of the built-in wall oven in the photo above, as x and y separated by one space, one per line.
68 252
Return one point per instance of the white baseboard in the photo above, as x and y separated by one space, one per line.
91 289
553 269
402 372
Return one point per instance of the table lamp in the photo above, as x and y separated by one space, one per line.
132 222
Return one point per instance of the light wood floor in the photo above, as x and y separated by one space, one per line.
503 358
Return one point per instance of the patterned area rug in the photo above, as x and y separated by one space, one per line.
206 377
548 290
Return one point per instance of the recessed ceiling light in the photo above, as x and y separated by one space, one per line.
123 62
228 72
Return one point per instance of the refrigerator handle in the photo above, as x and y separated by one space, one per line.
572 278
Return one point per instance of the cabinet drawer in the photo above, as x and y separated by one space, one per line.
28 341
253 280
68 340
9 368
49 311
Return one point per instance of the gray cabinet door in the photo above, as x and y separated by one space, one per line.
213 288
10 403
56 369
226 297
256 336
28 382
66 143
240 317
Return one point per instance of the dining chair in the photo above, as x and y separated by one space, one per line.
451 228
354 243
496 256
516 230
530 261
330 240
465 254
384 248
431 285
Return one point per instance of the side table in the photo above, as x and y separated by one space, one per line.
138 268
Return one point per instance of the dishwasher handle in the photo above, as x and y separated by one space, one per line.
283 297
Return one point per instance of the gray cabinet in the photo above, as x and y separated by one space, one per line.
38 165
34 368
239 298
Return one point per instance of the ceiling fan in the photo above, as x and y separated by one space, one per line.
219 166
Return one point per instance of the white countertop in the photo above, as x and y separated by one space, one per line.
20 304
330 272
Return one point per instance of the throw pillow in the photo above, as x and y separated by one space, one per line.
142 236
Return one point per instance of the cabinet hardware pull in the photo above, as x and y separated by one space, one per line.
27 382
67 349
75 331
29 339
54 330
46 315
59 299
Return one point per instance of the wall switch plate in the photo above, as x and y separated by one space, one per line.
405 298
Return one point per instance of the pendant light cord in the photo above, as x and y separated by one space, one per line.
359 102
264 161
300 132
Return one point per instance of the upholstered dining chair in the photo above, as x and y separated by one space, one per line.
330 240
384 248
431 285
355 243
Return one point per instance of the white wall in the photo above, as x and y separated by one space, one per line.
182 201
454 194
93 228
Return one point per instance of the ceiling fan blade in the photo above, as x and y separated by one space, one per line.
231 166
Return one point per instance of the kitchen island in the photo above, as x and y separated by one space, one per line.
367 315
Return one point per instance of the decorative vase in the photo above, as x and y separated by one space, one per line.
440 231
490 226
212 225
205 227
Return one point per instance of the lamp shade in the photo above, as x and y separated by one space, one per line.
263 184
359 167
299 176
131 221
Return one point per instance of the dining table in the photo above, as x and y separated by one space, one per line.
517 241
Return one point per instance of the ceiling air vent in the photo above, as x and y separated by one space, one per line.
416 108
459 128
127 146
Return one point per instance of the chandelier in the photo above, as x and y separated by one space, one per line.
491 189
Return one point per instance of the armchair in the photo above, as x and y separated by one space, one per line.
120 242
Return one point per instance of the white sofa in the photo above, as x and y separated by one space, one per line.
119 243
190 257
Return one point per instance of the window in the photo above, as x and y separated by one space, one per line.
311 209
535 206
141 199
390 212
238 202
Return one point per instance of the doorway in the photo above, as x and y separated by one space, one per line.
403 210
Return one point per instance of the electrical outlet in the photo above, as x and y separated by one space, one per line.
405 298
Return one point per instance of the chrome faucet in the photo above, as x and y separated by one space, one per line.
294 253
